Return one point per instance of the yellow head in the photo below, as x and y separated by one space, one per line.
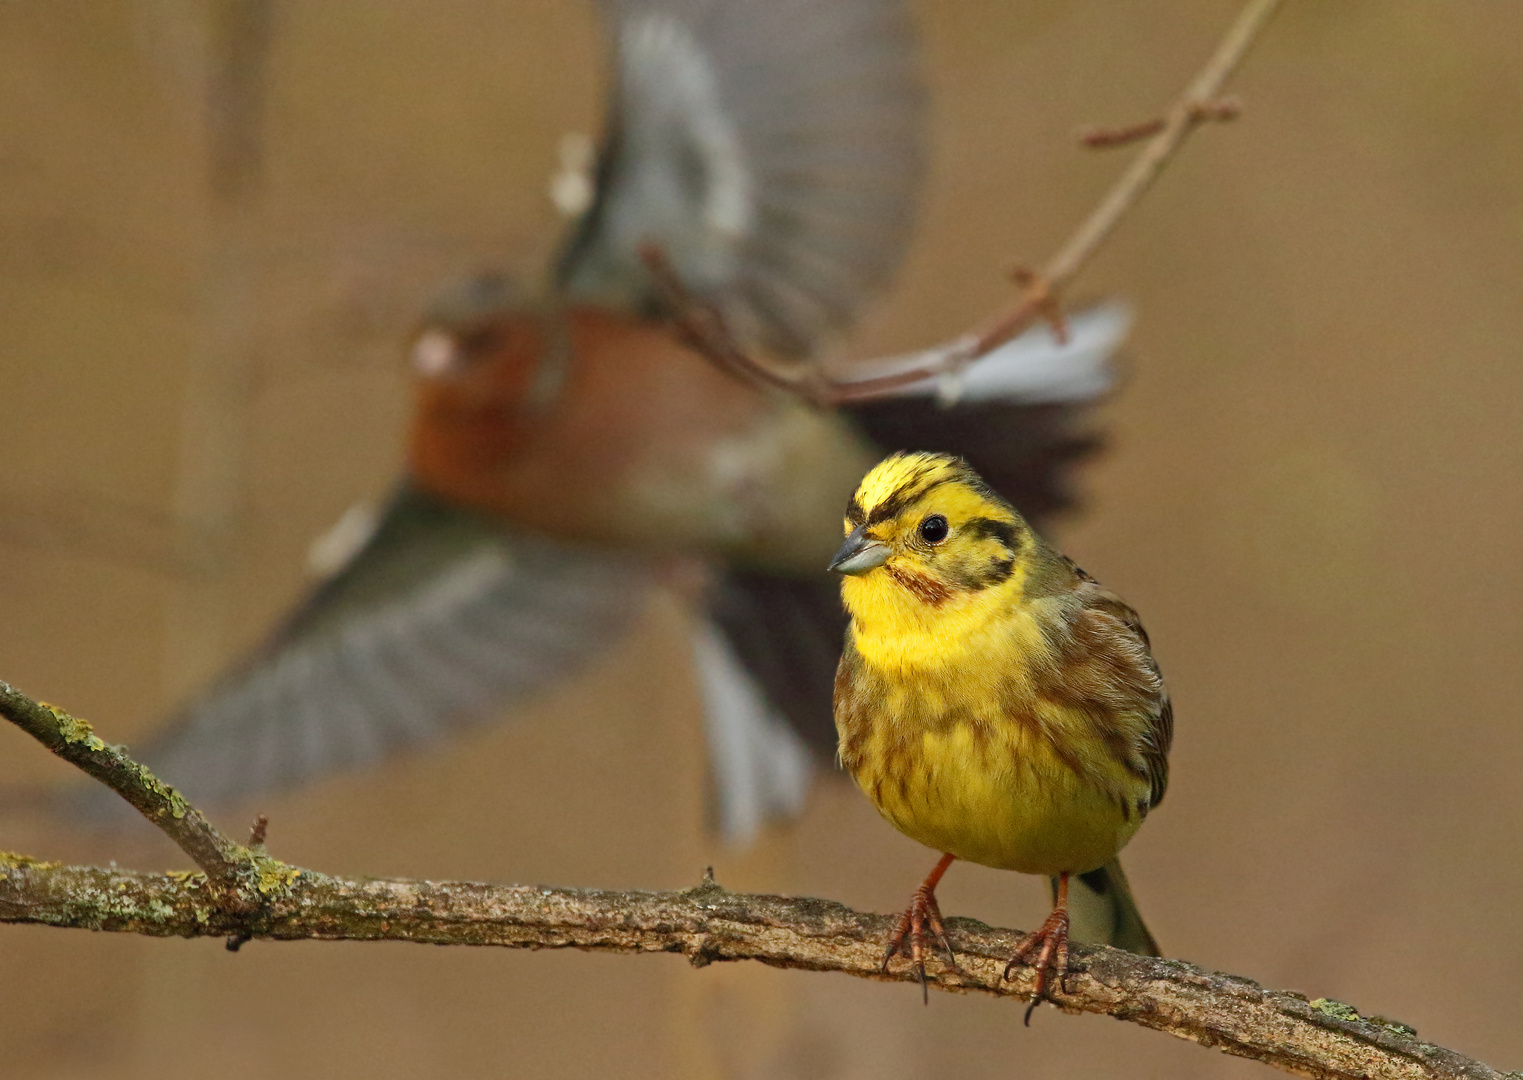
926 537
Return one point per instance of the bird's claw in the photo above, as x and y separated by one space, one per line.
1046 950
909 936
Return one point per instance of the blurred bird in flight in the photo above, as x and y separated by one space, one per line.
996 704
566 449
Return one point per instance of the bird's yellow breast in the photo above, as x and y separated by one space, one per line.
946 727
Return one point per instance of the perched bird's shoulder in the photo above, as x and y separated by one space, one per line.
1055 581
1102 603
1103 668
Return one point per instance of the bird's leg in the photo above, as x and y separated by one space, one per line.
1048 944
922 912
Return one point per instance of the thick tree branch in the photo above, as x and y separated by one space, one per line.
243 894
707 924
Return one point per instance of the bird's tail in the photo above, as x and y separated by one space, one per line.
1101 911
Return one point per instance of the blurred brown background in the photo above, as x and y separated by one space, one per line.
1311 495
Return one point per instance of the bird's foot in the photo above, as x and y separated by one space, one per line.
909 936
1045 949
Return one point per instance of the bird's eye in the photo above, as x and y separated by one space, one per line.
933 530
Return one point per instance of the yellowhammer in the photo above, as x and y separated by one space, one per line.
995 704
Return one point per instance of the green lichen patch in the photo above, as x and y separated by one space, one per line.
74 729
1393 1025
1336 1009
178 807
14 860
273 877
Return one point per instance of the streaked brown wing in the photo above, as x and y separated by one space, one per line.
1136 674
1157 753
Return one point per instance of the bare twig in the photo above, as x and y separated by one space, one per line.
1100 138
1185 115
702 328
1104 138
707 924
1041 291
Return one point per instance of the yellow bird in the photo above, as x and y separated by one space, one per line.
995 704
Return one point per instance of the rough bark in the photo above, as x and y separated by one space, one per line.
707 924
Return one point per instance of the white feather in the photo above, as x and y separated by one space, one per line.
1034 368
761 768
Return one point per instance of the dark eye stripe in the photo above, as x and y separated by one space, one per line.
905 496
996 572
985 528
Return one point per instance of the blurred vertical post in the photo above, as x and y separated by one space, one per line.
211 489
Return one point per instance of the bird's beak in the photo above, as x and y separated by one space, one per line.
859 554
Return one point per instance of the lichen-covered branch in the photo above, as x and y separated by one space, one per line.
75 741
707 924
242 894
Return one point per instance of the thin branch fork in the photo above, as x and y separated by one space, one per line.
1041 290
75 741
1102 138
243 894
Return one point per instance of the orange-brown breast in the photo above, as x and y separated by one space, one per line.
643 442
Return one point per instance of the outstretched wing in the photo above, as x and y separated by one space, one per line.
437 621
1019 423
772 150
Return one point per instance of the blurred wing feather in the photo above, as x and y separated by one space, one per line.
787 634
1033 368
772 148
760 768
438 621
